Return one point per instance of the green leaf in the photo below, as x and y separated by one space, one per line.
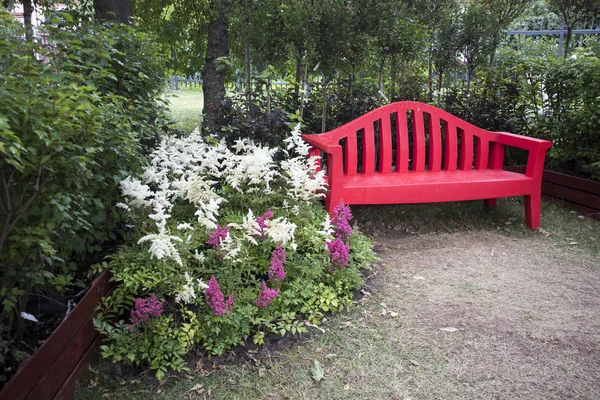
317 372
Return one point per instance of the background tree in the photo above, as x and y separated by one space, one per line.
573 12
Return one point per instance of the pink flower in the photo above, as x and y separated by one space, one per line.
340 254
216 237
266 295
143 309
262 222
341 220
276 271
215 298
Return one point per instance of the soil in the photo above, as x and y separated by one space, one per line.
524 314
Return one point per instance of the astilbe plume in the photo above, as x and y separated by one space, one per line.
340 253
216 300
216 237
262 222
266 295
341 220
143 309
276 271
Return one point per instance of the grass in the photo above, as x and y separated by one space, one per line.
371 353
186 107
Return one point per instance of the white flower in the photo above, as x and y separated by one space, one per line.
281 231
231 249
162 246
253 171
123 206
137 191
327 230
296 143
188 291
185 226
240 145
249 227
199 256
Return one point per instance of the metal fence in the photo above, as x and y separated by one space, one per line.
188 82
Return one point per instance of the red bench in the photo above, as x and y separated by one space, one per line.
372 160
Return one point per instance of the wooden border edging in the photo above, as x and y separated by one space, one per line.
51 372
582 195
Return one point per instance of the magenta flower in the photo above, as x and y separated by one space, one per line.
262 222
276 271
340 254
143 309
216 300
341 220
266 295
216 237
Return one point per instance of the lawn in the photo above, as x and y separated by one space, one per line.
465 303
185 106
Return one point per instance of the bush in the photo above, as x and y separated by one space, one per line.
231 244
74 111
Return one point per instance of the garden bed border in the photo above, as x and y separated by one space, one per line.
51 372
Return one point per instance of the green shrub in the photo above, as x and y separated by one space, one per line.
74 112
233 245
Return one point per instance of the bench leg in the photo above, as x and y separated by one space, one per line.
533 210
490 203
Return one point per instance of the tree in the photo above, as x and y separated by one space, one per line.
213 83
114 10
573 12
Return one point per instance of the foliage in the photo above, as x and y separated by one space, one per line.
248 225
74 112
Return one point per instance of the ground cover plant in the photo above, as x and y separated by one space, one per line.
229 244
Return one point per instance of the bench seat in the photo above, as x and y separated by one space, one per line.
425 187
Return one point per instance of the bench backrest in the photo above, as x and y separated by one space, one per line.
381 141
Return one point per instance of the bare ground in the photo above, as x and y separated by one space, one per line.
527 313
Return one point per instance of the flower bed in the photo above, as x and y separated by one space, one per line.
231 244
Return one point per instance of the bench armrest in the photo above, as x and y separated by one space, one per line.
536 147
522 142
319 141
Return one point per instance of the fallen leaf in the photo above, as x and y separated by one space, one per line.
543 232
419 278
346 325
347 387
573 243
393 314
199 367
449 329
416 364
262 372
317 372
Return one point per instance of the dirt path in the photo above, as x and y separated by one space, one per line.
527 314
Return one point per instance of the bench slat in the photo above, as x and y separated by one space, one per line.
435 143
401 141
451 150
418 141
482 153
350 154
368 150
466 150
385 143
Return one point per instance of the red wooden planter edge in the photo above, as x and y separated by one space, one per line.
74 328
579 194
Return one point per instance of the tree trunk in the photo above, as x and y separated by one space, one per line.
439 96
567 41
430 76
268 96
213 84
303 89
247 72
324 108
27 12
114 10
394 76
380 82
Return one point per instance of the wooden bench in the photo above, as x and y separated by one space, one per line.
410 152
